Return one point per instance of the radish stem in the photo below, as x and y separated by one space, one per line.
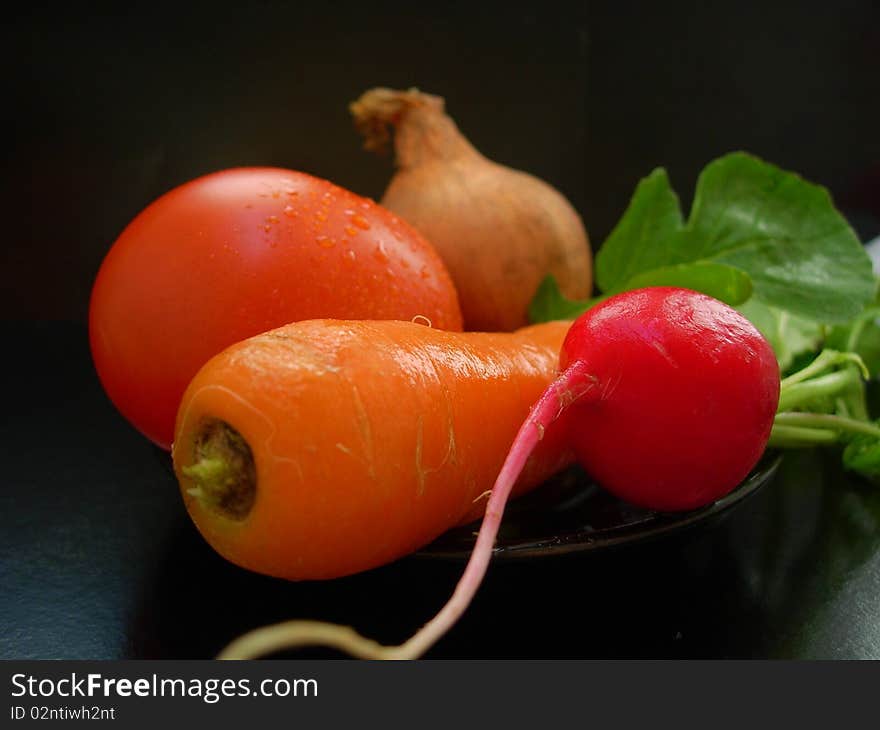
814 387
825 360
829 421
575 384
833 384
792 437
794 430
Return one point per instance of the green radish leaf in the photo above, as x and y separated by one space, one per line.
789 335
717 280
862 455
550 304
646 238
801 253
781 231
721 281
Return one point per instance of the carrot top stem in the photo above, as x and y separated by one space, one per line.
575 384
222 471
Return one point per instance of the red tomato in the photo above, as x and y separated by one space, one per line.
238 252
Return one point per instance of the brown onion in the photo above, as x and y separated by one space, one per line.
499 231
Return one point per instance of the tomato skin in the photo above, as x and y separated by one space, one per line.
238 252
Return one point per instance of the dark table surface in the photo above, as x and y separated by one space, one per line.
98 558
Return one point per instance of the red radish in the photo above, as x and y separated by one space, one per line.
685 394
671 397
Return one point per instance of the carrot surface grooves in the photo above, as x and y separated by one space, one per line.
368 439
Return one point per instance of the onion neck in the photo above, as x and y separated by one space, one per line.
423 131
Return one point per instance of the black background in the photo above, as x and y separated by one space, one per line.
103 110
107 110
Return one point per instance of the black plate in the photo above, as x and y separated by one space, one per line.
572 514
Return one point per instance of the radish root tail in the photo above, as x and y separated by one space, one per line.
573 385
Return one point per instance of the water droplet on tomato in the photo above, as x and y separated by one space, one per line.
350 231
361 222
290 211
326 241
272 219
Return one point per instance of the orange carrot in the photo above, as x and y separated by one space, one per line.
328 447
